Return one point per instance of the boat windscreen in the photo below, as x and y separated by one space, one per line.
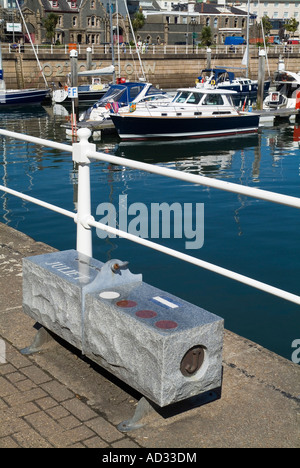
112 95
153 91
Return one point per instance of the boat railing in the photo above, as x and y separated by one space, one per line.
84 152
176 108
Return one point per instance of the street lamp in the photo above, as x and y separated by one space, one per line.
193 23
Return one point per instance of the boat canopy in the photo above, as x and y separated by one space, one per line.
126 92
284 76
217 74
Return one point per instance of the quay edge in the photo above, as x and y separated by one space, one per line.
259 406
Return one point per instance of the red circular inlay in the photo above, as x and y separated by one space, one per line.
126 304
166 324
146 314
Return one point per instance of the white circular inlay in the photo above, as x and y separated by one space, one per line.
109 295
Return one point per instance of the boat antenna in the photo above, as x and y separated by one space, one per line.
33 48
135 43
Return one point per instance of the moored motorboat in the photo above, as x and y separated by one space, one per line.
121 95
19 97
286 94
223 79
193 113
92 91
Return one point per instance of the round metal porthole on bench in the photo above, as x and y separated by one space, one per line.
192 361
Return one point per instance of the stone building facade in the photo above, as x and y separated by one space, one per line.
87 22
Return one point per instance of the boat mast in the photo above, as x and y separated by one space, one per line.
112 41
33 48
248 39
1 70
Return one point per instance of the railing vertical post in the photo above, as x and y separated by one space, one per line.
84 233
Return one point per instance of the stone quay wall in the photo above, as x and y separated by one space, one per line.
166 71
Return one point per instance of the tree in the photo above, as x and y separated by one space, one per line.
266 24
291 25
206 36
138 20
50 24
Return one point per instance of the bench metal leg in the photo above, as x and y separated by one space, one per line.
42 337
142 410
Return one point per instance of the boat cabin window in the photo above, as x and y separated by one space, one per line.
213 100
182 96
188 97
194 98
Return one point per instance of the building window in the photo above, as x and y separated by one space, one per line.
207 21
215 22
93 5
74 21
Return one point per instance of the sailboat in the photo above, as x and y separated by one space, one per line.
86 92
17 97
245 88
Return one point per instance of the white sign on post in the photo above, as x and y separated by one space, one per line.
73 93
13 27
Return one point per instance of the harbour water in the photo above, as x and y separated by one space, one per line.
255 238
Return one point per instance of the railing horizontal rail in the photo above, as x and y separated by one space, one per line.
199 180
36 201
201 263
37 141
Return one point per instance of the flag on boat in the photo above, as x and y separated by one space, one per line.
115 107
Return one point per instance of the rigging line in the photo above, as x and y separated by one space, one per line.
132 32
264 39
33 48
130 49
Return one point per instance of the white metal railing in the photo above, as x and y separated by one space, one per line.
84 152
151 49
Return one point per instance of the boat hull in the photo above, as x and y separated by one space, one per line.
130 127
21 97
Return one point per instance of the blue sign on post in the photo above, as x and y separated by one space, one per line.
73 93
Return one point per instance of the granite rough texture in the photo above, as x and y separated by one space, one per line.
136 331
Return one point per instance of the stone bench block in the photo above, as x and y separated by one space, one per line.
164 347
